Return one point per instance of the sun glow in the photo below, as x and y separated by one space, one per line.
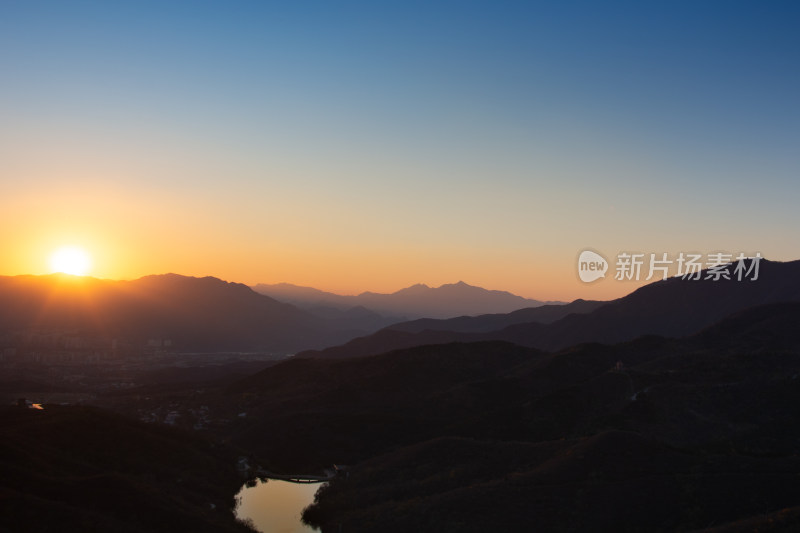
71 260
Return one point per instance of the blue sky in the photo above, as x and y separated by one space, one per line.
371 145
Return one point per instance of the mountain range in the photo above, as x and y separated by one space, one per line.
674 408
202 314
208 314
447 301
674 307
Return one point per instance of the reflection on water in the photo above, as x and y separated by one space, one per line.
275 506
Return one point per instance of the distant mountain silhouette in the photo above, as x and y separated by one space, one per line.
544 314
417 301
673 308
202 314
303 296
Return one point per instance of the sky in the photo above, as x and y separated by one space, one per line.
356 146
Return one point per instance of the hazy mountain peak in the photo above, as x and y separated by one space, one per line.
416 301
463 286
416 288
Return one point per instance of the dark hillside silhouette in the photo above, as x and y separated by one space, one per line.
544 314
649 434
671 308
202 314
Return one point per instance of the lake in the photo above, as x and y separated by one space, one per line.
275 506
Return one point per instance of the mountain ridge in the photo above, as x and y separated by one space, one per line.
194 313
673 308
416 301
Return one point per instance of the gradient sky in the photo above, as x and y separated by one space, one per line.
372 145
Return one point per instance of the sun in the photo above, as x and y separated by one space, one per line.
71 260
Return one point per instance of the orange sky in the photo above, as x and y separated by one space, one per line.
129 244
132 233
